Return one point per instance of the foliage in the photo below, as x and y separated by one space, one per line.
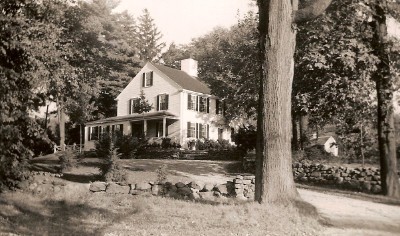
27 47
229 64
128 145
245 138
67 160
209 144
148 38
111 170
162 173
143 105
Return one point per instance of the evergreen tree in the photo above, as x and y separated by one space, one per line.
148 38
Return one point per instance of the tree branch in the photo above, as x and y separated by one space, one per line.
314 9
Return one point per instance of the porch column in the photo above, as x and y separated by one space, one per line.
145 128
164 122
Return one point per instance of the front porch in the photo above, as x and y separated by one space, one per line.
149 125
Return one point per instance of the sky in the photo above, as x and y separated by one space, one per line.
181 20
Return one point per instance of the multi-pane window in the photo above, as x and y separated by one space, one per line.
147 79
203 104
220 134
219 107
198 103
191 130
192 102
133 104
162 102
203 131
197 130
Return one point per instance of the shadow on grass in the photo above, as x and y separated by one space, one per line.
51 218
58 217
81 178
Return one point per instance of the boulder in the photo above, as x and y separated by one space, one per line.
196 185
208 196
208 187
185 191
116 188
180 185
221 188
143 186
376 189
98 186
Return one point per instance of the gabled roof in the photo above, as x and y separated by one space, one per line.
183 79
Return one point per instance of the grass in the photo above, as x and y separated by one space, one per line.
105 214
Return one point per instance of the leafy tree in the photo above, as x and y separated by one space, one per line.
274 177
27 48
228 63
143 105
173 56
148 38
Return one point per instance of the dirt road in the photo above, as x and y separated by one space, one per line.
348 216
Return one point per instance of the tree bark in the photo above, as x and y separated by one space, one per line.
303 130
61 124
384 81
274 176
295 135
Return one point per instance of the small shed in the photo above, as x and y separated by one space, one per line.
329 144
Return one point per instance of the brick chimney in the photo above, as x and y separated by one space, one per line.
189 66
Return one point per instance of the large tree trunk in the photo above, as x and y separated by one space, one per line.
303 131
386 132
274 177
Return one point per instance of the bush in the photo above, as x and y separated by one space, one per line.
111 170
67 161
162 174
128 146
316 152
245 138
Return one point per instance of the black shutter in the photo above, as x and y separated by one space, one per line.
197 103
144 80
197 130
208 105
89 129
130 106
200 135
189 101
158 102
208 131
188 129
166 101
151 78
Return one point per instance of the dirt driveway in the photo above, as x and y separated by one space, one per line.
348 216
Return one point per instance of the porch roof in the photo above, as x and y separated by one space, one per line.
135 117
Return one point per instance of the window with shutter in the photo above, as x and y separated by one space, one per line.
162 102
133 104
192 102
147 79
191 130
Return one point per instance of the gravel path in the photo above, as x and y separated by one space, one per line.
347 216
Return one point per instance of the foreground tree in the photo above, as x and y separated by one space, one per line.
385 80
274 177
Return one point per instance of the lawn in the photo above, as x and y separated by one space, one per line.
76 211
105 214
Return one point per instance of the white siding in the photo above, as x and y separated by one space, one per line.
160 86
214 120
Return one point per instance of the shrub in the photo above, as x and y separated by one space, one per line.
111 170
162 174
316 152
67 161
128 145
245 138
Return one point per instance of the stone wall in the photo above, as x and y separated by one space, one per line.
356 179
241 187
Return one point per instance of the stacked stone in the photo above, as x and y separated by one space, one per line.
244 187
359 179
